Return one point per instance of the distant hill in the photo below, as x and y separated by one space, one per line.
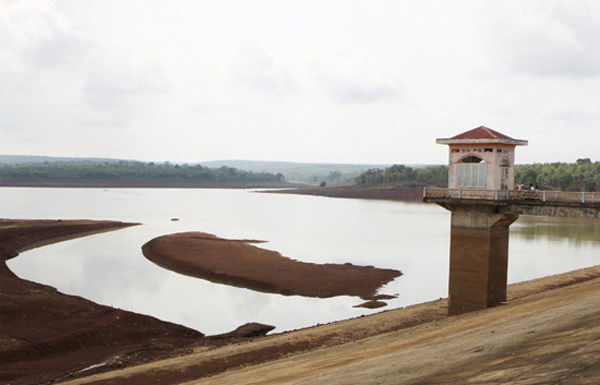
301 172
332 173
14 159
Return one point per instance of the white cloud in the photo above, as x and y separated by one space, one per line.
549 38
114 91
346 81
85 81
36 33
350 79
257 70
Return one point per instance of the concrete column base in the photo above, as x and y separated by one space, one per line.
478 257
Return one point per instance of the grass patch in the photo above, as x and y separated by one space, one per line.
9 227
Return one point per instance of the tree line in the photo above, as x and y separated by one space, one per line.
131 170
583 175
411 177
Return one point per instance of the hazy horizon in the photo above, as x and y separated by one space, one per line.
2 156
350 82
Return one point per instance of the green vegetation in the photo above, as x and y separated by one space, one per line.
9 227
400 174
79 170
311 173
583 175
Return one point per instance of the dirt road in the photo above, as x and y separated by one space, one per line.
548 333
535 341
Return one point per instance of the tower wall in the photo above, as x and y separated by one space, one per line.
493 156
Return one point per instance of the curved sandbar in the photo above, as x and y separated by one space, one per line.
238 263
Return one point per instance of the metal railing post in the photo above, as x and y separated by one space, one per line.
583 197
459 193
544 196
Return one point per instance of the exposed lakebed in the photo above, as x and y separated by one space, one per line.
413 238
239 263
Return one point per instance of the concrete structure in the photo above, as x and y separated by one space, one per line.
478 257
481 158
479 235
566 204
484 205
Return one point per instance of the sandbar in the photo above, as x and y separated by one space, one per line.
240 263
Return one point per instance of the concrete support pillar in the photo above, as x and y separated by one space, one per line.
478 257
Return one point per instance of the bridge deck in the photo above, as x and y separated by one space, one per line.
513 196
546 203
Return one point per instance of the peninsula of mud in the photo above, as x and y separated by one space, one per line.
239 263
46 335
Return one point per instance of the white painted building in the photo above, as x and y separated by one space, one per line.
481 158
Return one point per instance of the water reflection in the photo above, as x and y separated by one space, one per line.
576 231
109 268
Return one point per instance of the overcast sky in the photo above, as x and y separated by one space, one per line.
313 81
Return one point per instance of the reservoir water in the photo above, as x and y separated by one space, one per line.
110 269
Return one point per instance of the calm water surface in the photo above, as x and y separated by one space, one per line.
110 269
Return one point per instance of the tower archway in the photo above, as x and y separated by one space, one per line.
471 172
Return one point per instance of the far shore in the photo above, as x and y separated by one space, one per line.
140 183
394 192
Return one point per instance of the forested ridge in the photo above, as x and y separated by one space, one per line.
583 175
78 170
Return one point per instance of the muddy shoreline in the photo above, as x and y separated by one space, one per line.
64 336
546 334
392 192
49 337
137 183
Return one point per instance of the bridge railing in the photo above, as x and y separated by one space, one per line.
511 195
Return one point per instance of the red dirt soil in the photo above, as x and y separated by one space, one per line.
46 335
238 263
383 191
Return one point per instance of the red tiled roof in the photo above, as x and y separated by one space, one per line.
481 132
481 135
